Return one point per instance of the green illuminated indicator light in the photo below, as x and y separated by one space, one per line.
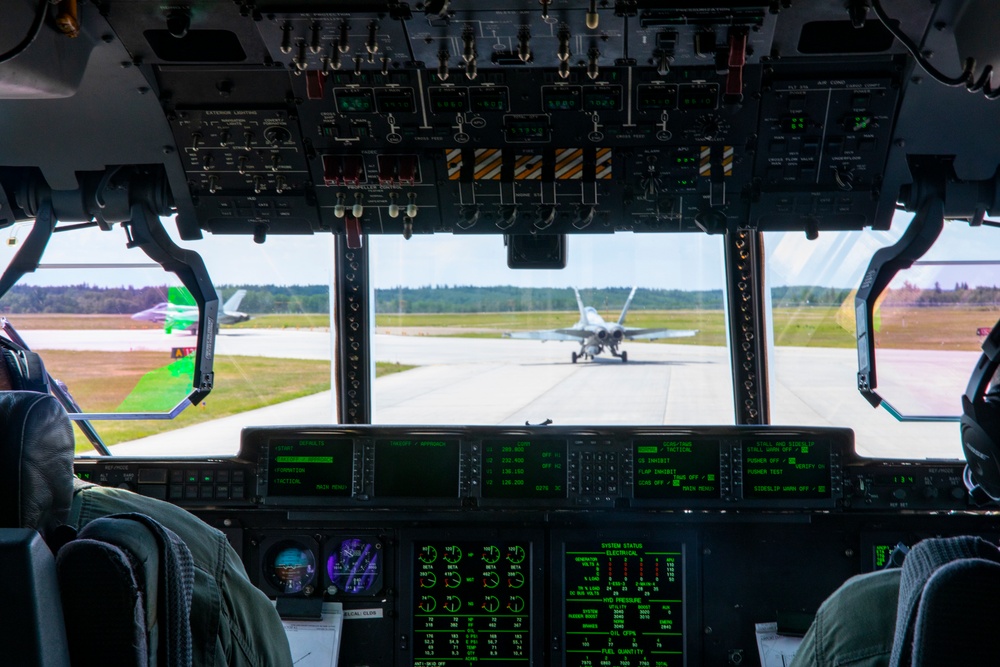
568 104
648 449
488 104
303 459
354 104
862 123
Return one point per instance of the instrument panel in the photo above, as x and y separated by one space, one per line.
556 546
769 468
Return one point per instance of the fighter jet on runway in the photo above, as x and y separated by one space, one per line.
594 334
185 317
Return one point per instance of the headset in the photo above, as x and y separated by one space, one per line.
980 421
24 368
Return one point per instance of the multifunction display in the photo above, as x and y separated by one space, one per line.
524 468
791 468
624 604
310 466
481 467
416 468
676 468
472 603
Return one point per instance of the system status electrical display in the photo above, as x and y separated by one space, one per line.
310 466
472 603
418 468
624 604
676 468
797 469
524 468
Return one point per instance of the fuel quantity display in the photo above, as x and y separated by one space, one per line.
310 467
791 469
416 468
524 468
624 604
472 603
675 469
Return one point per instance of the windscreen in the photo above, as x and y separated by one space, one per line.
632 331
460 338
929 326
117 332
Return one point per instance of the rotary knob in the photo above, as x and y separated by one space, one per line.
710 128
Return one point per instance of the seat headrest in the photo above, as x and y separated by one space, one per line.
36 461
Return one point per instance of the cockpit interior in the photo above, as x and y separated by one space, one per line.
535 333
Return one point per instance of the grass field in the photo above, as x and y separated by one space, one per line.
904 328
241 384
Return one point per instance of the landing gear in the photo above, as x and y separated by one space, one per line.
574 357
624 356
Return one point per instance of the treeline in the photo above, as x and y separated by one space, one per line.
961 295
81 299
507 299
272 299
89 300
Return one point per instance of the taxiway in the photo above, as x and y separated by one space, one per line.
503 381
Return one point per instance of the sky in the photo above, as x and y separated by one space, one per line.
666 261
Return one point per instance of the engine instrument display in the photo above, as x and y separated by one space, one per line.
524 468
676 468
624 603
416 468
310 466
472 603
789 468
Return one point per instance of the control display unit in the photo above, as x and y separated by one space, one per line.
524 468
787 468
676 468
419 468
308 466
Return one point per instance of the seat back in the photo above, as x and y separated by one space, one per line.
958 615
36 461
144 576
36 489
31 618
123 588
949 604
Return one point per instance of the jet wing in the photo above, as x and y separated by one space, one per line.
653 334
551 334
182 322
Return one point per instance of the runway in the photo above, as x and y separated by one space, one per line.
504 381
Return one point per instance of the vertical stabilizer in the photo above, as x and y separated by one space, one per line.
579 302
628 302
234 301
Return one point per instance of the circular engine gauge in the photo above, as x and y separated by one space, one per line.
290 567
355 565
